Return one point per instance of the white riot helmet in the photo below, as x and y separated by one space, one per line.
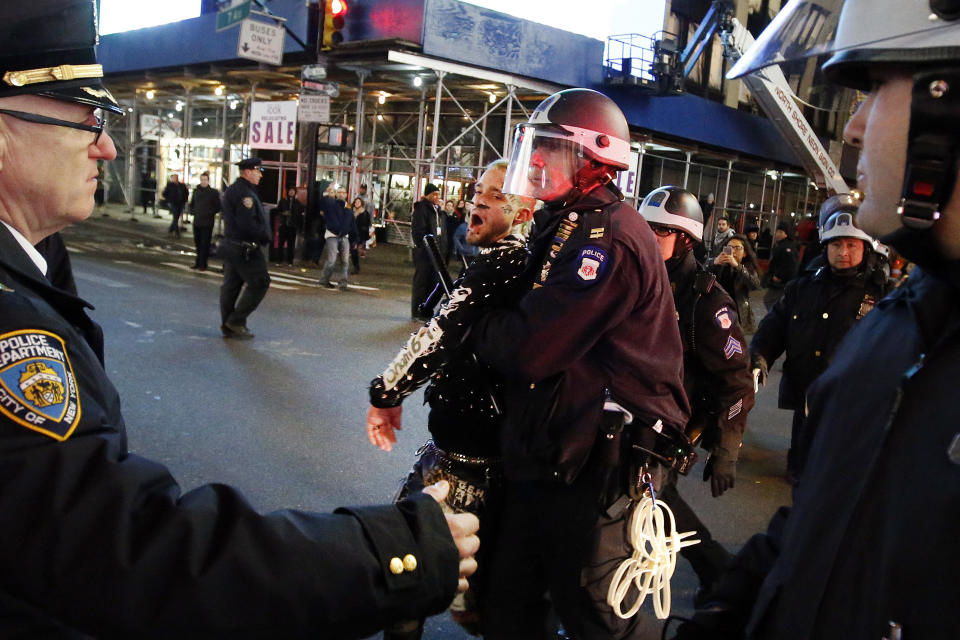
842 224
920 37
569 129
674 208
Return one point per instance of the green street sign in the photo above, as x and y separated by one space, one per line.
233 16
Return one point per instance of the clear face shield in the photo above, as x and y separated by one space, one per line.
543 162
806 28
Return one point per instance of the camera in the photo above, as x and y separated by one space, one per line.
728 250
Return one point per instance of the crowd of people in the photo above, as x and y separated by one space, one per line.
570 374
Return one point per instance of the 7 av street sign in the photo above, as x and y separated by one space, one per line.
238 12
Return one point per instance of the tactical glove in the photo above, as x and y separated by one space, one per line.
721 469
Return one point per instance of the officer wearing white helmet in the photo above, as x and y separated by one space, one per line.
869 549
835 291
597 328
716 367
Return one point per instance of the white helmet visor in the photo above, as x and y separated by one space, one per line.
543 162
806 28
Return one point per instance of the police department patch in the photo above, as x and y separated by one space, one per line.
247 202
592 263
37 386
723 318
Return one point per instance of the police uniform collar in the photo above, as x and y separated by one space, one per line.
38 260
14 258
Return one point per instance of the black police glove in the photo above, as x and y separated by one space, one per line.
758 362
721 470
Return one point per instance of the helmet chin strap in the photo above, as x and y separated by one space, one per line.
932 161
591 175
933 145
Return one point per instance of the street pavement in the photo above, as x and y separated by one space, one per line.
282 416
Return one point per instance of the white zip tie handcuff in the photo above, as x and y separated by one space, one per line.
654 558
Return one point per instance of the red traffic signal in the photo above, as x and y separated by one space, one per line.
333 21
338 8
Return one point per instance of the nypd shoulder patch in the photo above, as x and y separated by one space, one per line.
37 387
591 263
723 317
247 202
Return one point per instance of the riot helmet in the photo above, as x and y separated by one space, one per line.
674 208
920 38
847 202
857 33
574 141
843 224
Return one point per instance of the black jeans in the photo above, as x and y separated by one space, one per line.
175 210
238 273
201 239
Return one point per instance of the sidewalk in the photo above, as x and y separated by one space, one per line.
387 267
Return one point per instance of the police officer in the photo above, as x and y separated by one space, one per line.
838 288
597 328
716 366
96 541
878 499
246 233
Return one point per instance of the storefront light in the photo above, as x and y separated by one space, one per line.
151 94
417 81
219 90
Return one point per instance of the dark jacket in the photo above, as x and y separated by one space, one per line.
784 260
462 417
363 220
339 220
879 496
244 218
428 219
291 214
175 193
603 318
88 525
739 283
716 363
811 319
204 205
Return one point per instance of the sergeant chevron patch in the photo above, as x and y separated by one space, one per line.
37 386
732 347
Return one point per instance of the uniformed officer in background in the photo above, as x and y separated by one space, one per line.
597 330
246 230
716 367
869 549
96 541
818 308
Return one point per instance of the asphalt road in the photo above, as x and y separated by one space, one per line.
282 416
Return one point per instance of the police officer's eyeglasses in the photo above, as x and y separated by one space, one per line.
97 129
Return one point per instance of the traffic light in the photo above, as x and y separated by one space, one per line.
334 13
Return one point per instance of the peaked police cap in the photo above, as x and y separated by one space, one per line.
48 48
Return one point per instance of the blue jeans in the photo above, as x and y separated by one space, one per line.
336 247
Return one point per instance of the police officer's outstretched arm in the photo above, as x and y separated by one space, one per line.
722 351
771 338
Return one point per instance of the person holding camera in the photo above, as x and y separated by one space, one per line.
246 232
738 273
